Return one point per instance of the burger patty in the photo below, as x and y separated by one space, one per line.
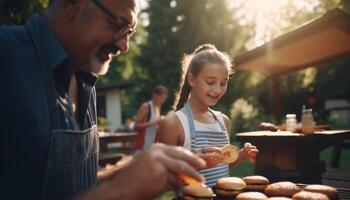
226 192
190 197
258 187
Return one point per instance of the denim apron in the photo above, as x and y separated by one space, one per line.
208 139
72 161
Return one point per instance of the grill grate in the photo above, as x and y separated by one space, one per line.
344 194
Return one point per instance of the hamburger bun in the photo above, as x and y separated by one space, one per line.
304 195
251 196
230 153
282 189
331 192
279 198
255 183
198 192
229 186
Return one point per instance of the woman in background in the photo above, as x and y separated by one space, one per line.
148 118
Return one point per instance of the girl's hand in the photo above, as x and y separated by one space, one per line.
248 152
211 155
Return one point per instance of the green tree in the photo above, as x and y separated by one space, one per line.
177 27
296 88
17 12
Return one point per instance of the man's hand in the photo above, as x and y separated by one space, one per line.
211 155
154 171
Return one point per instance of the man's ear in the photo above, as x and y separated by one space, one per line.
190 79
72 8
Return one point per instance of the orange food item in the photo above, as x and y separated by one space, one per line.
189 180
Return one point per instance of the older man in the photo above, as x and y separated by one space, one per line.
49 144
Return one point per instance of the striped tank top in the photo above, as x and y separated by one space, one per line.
208 138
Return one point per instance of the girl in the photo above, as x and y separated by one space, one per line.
194 125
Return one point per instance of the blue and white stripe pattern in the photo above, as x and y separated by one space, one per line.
209 139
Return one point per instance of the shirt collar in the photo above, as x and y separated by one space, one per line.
47 41
50 47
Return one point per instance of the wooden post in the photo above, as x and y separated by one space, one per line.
275 97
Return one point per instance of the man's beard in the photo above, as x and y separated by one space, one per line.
99 65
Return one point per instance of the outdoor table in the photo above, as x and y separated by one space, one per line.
123 137
292 156
126 138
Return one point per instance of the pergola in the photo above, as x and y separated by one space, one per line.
316 42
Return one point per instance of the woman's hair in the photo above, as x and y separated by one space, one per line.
193 63
160 89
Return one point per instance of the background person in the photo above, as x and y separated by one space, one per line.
148 118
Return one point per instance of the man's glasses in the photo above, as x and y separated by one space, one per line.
124 28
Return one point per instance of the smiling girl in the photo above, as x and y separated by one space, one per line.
194 125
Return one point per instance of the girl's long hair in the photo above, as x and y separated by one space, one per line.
193 63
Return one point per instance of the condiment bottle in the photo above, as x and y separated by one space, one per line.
291 122
307 121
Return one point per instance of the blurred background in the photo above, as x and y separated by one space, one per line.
170 28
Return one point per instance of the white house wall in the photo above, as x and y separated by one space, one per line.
113 109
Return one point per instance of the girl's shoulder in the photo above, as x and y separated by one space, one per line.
172 120
170 130
180 113
221 116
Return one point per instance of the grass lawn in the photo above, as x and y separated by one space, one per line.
344 162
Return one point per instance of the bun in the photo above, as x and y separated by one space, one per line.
256 180
255 183
226 193
283 189
304 195
331 192
199 190
251 196
196 198
229 186
230 153
279 198
230 183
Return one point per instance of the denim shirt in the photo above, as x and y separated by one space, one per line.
25 116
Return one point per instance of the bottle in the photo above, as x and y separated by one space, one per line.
307 121
291 122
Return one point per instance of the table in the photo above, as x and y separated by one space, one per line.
292 156
126 138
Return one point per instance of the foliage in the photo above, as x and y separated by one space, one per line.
331 79
102 122
177 27
14 12
247 116
301 87
336 123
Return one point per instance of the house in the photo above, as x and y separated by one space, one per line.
109 102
